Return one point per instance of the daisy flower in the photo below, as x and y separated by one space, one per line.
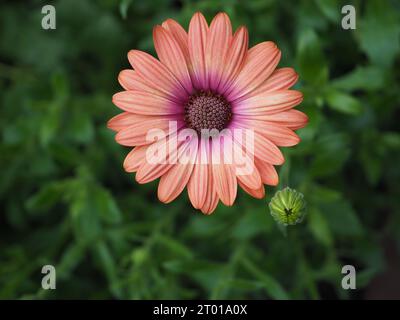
207 79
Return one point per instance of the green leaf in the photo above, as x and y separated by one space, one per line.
250 225
391 139
206 273
343 102
330 8
81 127
106 206
244 284
362 78
274 289
342 219
371 163
49 124
123 8
46 197
331 151
319 227
60 87
85 219
321 194
311 61
378 32
174 246
109 266
70 259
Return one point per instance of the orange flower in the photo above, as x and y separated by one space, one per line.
207 79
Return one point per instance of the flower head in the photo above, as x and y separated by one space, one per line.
207 81
287 206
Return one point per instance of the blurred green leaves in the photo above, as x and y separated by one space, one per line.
379 32
67 201
343 102
362 78
311 61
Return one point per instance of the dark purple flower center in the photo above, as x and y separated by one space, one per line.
207 110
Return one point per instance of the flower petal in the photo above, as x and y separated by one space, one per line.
267 172
150 171
198 30
260 62
263 148
292 119
179 34
135 158
211 199
174 181
154 73
136 134
223 173
278 134
182 39
280 79
256 193
131 80
266 150
235 59
218 42
127 119
123 120
268 103
144 103
198 183
245 170
171 55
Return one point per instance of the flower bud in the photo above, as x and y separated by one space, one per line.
287 206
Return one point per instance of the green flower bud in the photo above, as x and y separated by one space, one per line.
139 256
287 207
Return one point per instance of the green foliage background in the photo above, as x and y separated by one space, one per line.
65 199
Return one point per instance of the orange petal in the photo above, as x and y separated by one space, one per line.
156 74
263 147
174 181
145 103
292 119
197 38
266 150
250 177
280 79
131 80
136 134
211 199
252 181
279 135
127 119
124 119
198 183
179 34
260 62
235 58
211 202
267 172
223 175
182 39
149 171
135 158
218 42
256 193
171 55
268 103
